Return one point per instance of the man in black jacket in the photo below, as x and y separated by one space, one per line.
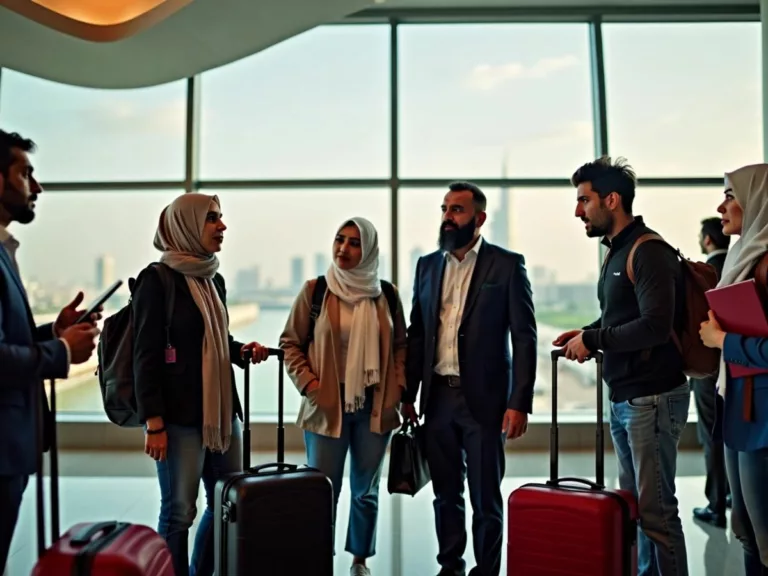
642 366
709 404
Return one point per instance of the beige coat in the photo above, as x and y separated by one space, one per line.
321 411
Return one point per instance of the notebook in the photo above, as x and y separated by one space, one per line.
739 309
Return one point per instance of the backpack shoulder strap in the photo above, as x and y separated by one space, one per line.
170 293
318 293
391 295
631 258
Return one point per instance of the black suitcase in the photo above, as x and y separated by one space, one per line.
275 519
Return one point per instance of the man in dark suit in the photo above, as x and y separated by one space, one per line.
470 299
28 353
709 404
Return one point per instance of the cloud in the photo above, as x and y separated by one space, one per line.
488 76
122 115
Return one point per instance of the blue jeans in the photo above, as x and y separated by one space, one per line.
187 463
646 432
748 475
367 450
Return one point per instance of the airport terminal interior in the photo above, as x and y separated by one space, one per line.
300 114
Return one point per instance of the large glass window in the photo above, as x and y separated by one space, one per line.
562 265
474 100
271 249
315 106
472 95
684 99
85 241
661 209
85 134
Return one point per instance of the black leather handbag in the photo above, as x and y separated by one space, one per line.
408 469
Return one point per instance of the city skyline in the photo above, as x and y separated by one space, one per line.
473 101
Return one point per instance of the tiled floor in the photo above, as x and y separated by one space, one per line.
101 486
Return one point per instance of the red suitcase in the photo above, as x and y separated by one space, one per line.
97 548
572 526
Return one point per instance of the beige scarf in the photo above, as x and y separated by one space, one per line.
178 237
749 186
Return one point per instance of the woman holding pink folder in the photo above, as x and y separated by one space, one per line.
745 422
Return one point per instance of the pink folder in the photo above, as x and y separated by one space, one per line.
739 310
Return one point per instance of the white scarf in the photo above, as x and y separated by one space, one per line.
749 185
360 287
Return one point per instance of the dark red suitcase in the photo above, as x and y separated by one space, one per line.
275 519
572 526
92 549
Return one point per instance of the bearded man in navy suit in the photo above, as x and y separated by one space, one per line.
471 301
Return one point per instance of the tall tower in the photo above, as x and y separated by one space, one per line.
297 273
500 225
322 262
105 271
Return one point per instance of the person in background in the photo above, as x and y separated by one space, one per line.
28 353
745 414
642 366
185 384
471 299
709 405
350 370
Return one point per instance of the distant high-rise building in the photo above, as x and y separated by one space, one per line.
247 280
297 272
500 224
322 262
416 253
105 271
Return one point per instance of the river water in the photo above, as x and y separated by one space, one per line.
86 397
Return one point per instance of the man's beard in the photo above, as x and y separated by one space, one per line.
21 213
599 228
454 237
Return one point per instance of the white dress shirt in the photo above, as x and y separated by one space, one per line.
11 246
456 279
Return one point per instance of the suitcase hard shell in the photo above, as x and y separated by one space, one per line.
107 548
96 548
275 519
568 525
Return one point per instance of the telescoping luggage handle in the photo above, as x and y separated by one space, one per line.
248 355
96 535
599 483
53 457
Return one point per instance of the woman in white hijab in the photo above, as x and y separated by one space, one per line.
349 365
745 421
185 386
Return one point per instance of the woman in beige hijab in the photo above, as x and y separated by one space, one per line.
745 419
185 385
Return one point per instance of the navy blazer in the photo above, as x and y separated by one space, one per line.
498 311
28 355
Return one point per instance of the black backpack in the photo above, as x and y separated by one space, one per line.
115 352
318 293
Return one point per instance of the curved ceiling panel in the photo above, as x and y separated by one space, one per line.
96 20
102 44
